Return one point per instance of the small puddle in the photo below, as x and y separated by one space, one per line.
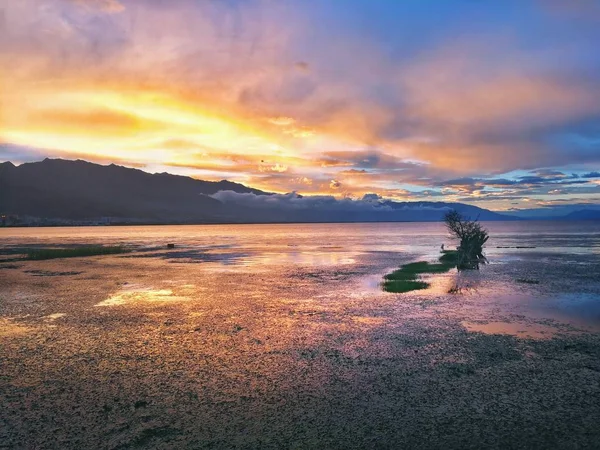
518 329
52 317
583 305
579 310
132 295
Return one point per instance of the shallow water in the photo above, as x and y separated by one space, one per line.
562 258
578 237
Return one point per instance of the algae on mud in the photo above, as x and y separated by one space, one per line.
406 279
527 281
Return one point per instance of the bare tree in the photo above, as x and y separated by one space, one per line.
472 238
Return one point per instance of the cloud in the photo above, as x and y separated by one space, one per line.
292 207
372 198
273 168
591 175
282 121
86 121
369 159
293 201
20 154
266 91
109 6
335 184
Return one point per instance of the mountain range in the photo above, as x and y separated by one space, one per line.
56 191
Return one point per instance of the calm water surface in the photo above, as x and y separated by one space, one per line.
561 257
569 237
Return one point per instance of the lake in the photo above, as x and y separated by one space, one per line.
577 237
279 336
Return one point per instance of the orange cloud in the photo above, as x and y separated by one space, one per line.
88 122
109 6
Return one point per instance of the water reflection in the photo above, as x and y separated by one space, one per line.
518 329
306 258
133 294
321 262
194 255
55 316
579 304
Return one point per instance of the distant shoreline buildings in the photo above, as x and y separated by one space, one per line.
14 220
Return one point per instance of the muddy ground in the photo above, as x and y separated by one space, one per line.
168 350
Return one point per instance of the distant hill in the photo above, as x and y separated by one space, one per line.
434 211
584 214
560 212
62 191
79 190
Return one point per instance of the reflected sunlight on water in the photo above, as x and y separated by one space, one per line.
309 258
55 316
518 329
8 328
138 294
333 261
316 239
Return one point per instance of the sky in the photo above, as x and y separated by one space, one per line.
495 103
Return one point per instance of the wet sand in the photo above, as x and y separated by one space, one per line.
163 351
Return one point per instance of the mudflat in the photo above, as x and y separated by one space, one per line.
271 347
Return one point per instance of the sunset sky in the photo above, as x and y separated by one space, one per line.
493 103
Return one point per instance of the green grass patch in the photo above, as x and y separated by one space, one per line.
76 252
527 281
413 270
406 278
449 257
406 272
437 268
401 286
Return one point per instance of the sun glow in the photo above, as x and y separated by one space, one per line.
151 126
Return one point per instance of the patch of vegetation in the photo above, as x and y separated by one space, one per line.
402 286
527 281
76 252
449 257
49 273
406 279
412 270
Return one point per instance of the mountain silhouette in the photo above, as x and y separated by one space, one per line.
80 191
